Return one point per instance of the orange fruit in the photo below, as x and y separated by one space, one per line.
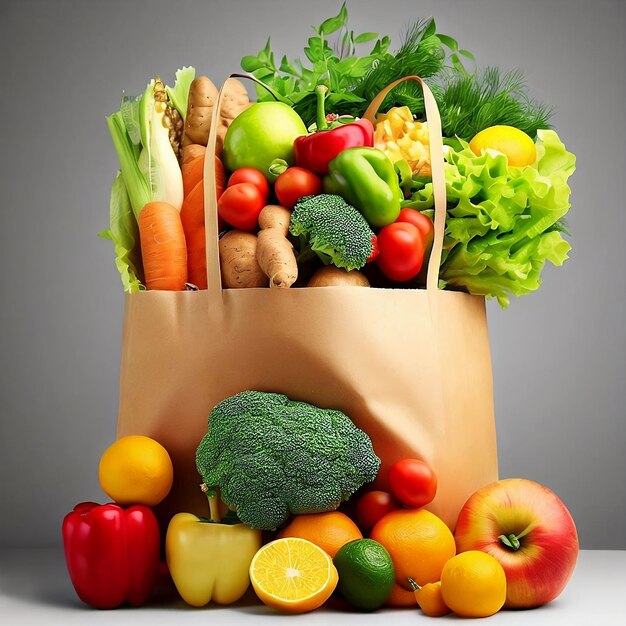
330 531
473 584
293 575
419 544
515 144
400 598
136 470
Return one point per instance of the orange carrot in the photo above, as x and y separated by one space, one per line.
190 152
163 248
192 173
192 218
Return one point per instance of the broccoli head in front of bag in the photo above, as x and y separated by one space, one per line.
270 456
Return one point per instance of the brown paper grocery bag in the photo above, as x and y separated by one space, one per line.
411 367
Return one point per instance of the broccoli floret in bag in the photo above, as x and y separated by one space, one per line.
270 456
336 231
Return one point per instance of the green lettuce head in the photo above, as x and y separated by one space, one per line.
503 222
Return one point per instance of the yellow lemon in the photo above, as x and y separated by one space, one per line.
136 470
293 575
473 584
518 147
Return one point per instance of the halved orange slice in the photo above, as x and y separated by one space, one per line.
293 575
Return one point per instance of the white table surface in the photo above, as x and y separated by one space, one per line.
35 590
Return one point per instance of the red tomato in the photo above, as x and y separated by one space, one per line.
374 255
412 482
240 206
372 506
252 176
422 222
294 183
401 251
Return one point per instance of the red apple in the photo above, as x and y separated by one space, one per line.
529 530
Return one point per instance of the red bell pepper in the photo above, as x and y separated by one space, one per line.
314 152
112 553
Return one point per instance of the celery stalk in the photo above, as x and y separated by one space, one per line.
134 180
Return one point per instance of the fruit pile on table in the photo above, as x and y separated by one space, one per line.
312 530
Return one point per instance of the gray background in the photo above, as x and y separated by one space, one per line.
559 355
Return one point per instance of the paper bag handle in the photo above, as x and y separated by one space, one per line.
212 235
437 166
214 277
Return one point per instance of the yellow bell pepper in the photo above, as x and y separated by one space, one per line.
209 560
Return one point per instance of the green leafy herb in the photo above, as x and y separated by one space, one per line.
421 53
353 80
469 103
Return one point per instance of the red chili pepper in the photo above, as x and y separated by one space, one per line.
112 554
314 152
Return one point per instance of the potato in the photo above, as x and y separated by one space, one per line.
238 261
330 276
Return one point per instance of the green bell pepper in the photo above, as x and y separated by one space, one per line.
366 179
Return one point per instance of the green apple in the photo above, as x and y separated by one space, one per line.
263 132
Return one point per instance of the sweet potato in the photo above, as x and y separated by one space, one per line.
238 261
330 276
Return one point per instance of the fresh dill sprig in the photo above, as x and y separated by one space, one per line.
469 103
420 53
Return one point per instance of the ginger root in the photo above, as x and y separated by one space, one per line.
275 253
238 261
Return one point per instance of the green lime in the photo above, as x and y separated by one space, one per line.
366 574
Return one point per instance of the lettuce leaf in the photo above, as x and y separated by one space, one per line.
124 233
179 94
503 223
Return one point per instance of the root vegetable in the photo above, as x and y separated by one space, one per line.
193 172
238 261
192 151
202 97
192 218
235 100
163 248
275 253
329 276
275 216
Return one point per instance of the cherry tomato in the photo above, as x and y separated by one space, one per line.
372 506
412 482
252 176
422 222
240 206
294 183
401 251
374 255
